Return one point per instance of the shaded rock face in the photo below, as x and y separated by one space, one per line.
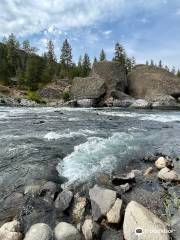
113 75
147 81
107 79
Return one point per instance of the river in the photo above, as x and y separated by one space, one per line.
73 146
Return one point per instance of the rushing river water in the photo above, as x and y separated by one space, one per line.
82 142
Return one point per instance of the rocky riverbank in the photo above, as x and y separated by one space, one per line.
140 203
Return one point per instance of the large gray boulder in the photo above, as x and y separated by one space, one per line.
107 79
88 88
39 231
66 231
140 223
102 200
149 81
114 77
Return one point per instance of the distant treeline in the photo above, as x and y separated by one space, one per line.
160 65
21 65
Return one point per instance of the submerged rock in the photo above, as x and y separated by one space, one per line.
139 222
66 231
39 231
102 200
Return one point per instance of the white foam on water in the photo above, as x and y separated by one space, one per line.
168 117
162 117
69 134
96 155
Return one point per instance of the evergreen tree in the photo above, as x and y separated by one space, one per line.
66 59
95 60
27 47
133 62
119 54
86 65
50 63
4 73
33 72
160 64
13 55
147 63
152 63
102 56
178 73
173 70
166 67
79 66
128 65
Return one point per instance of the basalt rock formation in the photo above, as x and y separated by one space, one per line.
107 79
149 82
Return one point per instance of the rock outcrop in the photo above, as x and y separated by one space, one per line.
107 79
149 81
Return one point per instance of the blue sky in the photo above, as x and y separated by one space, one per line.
148 29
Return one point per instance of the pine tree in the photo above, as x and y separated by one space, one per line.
50 62
27 47
133 62
160 64
66 59
95 60
147 63
32 73
128 65
13 54
166 67
173 70
102 56
178 73
119 54
4 71
86 65
79 66
152 63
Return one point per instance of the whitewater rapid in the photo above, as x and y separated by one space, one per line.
83 142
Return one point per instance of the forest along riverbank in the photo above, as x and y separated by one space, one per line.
54 161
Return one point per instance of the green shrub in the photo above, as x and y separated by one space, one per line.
66 96
34 96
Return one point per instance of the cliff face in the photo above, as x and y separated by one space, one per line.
147 82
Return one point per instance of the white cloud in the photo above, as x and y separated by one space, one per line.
107 33
32 16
